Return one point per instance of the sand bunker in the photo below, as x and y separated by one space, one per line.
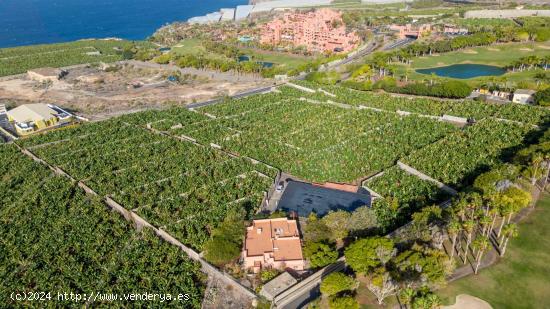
465 301
470 51
493 49
526 49
543 46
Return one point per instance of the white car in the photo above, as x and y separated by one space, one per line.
280 187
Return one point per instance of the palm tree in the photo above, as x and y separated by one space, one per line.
493 213
510 231
433 300
453 229
536 161
505 210
460 209
468 226
485 222
406 296
546 61
480 244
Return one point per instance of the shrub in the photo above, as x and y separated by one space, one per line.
326 78
346 302
320 254
225 244
336 283
447 89
268 274
543 97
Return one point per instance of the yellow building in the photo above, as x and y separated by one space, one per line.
30 118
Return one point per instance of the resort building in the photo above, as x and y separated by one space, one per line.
411 31
524 96
322 30
31 118
46 74
273 243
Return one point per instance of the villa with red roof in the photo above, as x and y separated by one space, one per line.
322 30
273 243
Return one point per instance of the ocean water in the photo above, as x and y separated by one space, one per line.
26 22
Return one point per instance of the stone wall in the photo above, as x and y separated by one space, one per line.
505 13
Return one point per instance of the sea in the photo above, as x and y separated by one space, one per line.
29 22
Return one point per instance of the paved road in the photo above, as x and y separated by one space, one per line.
237 96
299 295
360 54
399 43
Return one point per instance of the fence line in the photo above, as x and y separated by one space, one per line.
423 176
140 223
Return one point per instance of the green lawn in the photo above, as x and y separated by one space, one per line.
497 55
193 46
284 59
522 278
188 46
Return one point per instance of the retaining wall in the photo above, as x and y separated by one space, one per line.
505 13
423 176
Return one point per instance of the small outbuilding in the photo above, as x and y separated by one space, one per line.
46 74
524 96
277 285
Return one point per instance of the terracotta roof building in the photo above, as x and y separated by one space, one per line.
410 30
321 30
273 243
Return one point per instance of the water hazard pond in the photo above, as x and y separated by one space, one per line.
464 71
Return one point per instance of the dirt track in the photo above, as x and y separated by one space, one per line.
92 91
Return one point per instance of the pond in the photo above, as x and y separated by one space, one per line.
464 71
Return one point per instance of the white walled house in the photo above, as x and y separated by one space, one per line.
524 96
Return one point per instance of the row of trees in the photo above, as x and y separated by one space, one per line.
389 268
529 63
484 215
412 263
443 89
322 236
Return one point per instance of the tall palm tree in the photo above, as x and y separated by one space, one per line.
480 244
510 231
504 210
460 209
536 161
493 213
468 226
454 229
485 222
